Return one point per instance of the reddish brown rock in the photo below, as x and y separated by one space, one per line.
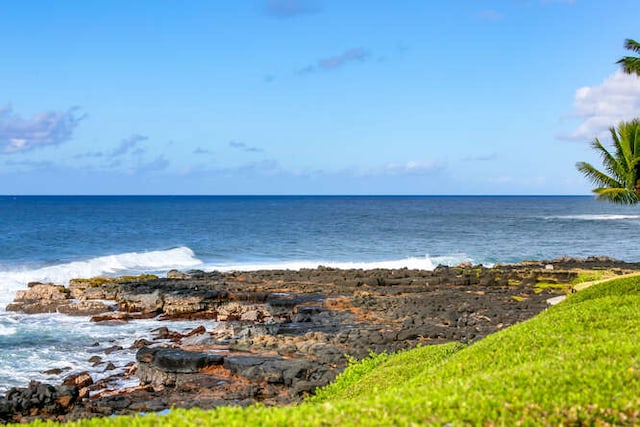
39 298
82 379
85 308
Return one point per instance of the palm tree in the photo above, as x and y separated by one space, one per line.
620 181
631 64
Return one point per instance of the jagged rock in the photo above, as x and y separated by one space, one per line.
273 370
176 360
198 340
176 304
121 317
113 349
39 298
138 344
143 302
82 379
164 366
82 289
40 400
95 360
238 311
85 308
53 371
175 274
191 274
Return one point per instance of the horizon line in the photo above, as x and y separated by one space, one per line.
295 195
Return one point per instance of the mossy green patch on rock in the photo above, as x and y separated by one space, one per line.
101 280
554 288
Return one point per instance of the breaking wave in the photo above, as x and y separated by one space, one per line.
134 262
7 330
418 263
595 217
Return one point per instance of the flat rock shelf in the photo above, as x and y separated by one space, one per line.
280 334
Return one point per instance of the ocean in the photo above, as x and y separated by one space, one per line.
56 238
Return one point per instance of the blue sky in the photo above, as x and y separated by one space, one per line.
309 96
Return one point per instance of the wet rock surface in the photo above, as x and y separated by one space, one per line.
281 334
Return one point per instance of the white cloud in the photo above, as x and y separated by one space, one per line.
48 128
412 168
605 105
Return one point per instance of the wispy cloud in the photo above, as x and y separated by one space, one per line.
605 105
290 8
90 154
357 54
267 166
160 163
128 144
244 147
31 164
413 168
396 169
43 129
200 150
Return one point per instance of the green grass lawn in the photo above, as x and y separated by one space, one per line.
577 363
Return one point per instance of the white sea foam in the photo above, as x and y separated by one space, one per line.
596 217
154 261
7 330
418 263
46 341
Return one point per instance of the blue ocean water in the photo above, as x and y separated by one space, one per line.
58 238
38 232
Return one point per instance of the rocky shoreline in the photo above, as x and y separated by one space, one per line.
280 334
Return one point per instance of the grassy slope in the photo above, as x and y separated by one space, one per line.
578 362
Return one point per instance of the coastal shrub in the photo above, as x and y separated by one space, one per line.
577 363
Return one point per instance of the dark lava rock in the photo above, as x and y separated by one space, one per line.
83 379
180 361
37 400
171 366
270 369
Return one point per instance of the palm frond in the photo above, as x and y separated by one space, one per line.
630 64
624 152
634 135
620 196
617 181
597 177
611 163
632 45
